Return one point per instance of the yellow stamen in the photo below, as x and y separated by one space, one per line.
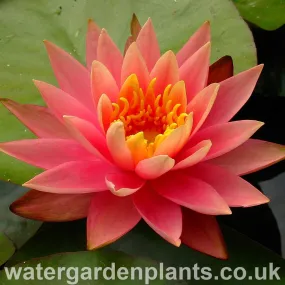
126 106
148 118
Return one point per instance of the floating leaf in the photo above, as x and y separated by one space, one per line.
6 249
16 228
268 15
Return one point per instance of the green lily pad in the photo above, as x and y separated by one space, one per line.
142 242
24 24
16 228
80 267
7 248
268 15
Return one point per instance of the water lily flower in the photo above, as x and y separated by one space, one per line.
142 136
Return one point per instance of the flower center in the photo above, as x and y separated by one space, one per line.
149 115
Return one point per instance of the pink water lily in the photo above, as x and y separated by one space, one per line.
142 136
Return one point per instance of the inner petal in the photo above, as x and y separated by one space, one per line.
148 118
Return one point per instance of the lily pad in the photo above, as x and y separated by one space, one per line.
143 243
24 24
268 15
6 249
80 267
16 228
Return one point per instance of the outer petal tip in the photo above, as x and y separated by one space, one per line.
49 45
91 23
261 201
259 124
177 243
28 184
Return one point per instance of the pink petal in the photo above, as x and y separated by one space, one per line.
46 153
165 71
116 142
233 94
234 190
148 44
194 71
191 193
88 136
201 105
202 233
193 155
196 41
92 37
48 207
61 103
124 184
75 177
104 111
251 156
109 218
103 82
225 137
109 54
38 119
175 141
154 167
135 64
163 216
73 78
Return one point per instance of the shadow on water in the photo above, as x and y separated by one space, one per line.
267 105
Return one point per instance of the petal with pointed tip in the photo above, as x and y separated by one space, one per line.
77 177
73 78
154 167
116 142
193 155
124 184
233 94
201 105
162 215
165 71
196 41
109 218
221 70
92 37
194 71
88 136
103 82
38 119
191 193
234 190
251 156
178 95
176 140
135 64
49 207
202 233
148 44
104 111
61 103
46 153
109 54
225 137
135 28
